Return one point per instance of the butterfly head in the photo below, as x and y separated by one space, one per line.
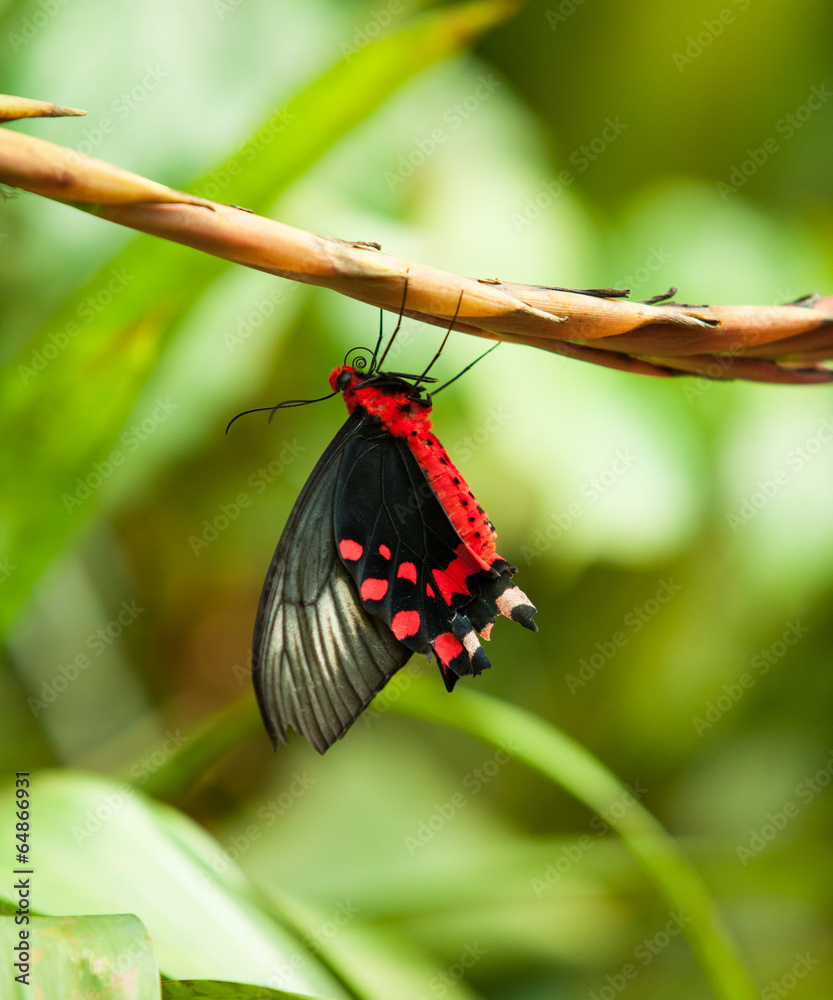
344 378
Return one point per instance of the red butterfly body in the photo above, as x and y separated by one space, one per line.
386 553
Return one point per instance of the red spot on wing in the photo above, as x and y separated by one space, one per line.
429 590
448 586
384 551
405 623
373 590
466 563
407 571
452 580
447 646
350 550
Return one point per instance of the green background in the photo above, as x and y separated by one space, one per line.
675 535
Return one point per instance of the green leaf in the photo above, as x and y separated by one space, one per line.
104 847
564 762
208 743
573 768
216 989
342 98
107 338
108 956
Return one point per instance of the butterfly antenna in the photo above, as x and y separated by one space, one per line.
279 406
378 340
376 367
442 345
463 372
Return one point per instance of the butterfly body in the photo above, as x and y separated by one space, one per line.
386 553
405 416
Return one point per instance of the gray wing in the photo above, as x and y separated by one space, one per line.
318 657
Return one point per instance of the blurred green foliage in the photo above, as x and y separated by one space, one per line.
676 536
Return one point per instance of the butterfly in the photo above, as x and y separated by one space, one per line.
386 553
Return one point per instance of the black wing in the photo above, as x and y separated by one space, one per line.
401 516
318 657
408 562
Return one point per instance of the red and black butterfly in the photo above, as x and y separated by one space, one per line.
386 553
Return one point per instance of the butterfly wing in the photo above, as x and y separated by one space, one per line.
408 562
318 657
